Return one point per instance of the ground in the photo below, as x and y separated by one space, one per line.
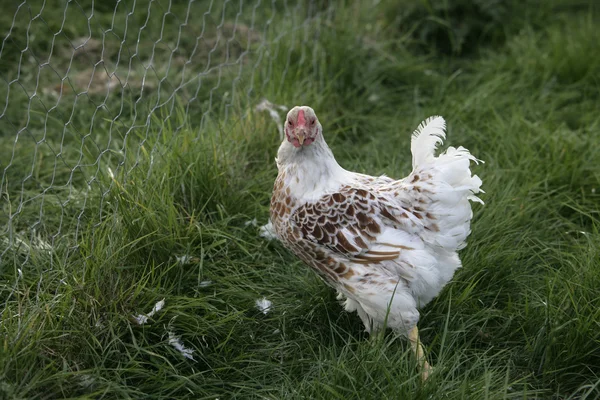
134 163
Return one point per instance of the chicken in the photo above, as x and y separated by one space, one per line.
387 246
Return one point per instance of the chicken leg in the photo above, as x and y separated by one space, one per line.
415 343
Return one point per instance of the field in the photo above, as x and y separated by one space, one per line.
135 168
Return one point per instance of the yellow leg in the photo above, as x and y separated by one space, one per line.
415 343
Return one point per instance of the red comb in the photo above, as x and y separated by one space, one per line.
301 120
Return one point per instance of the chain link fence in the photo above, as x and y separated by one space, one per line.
85 84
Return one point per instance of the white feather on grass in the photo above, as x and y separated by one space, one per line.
141 319
184 259
252 222
264 305
266 105
267 231
176 342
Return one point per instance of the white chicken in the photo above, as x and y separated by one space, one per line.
387 246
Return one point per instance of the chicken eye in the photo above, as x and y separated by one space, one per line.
312 122
290 122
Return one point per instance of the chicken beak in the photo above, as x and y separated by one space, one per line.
300 137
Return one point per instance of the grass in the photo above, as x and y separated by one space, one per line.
115 199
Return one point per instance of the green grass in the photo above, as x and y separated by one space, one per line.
84 251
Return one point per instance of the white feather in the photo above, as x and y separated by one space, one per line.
425 139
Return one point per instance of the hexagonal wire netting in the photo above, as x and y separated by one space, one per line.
84 85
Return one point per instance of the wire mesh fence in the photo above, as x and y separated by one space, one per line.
86 85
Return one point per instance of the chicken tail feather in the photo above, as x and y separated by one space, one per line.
450 184
426 138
